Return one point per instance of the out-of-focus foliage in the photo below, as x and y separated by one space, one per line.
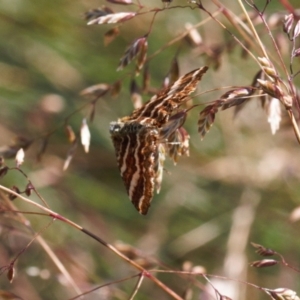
239 185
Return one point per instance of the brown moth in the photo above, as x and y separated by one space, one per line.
142 139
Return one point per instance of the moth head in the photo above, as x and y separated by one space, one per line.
115 127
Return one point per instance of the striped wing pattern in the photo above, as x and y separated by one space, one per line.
137 153
140 145
161 106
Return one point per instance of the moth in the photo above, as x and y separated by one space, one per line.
143 139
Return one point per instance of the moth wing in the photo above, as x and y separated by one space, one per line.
137 155
161 106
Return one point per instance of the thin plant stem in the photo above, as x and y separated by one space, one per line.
45 246
137 286
97 238
253 28
104 285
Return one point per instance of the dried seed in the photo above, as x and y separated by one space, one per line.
282 294
113 18
85 136
20 157
271 72
96 91
70 133
288 23
70 154
142 57
271 88
15 189
207 117
268 67
11 274
110 35
137 48
96 13
264 62
123 2
296 52
236 97
273 109
264 263
263 251
3 171
288 101
29 189
296 32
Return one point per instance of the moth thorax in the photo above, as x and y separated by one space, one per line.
133 127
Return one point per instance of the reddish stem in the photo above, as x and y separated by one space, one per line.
289 7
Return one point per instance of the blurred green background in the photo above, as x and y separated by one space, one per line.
239 185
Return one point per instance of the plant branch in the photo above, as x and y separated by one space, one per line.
55 215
